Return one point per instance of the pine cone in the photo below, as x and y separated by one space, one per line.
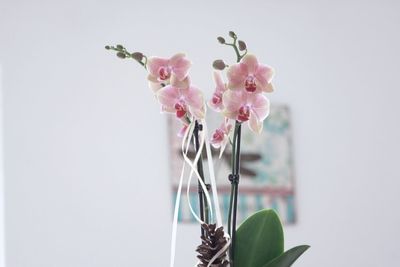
212 242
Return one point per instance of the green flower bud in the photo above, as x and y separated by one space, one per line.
137 56
107 47
221 40
121 55
232 34
242 45
120 47
219 64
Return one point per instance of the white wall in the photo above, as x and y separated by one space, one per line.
85 169
2 236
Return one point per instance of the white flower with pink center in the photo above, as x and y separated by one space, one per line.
216 101
251 76
243 106
182 102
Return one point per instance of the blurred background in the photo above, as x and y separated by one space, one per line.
84 155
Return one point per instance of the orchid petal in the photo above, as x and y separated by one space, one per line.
251 62
181 84
232 101
155 63
227 126
269 88
215 144
215 107
255 124
180 66
155 86
223 146
168 97
220 85
236 77
194 98
152 78
165 109
264 77
198 113
259 105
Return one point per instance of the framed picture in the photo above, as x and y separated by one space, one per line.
267 175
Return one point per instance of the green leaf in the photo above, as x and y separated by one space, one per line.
287 258
259 239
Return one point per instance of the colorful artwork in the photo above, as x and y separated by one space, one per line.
266 179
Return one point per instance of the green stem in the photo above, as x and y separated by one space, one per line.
230 216
234 190
128 54
236 49
235 162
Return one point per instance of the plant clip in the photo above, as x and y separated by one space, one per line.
234 178
198 127
200 189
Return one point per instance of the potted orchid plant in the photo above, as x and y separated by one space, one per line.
242 101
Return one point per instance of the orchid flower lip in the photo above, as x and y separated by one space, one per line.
218 135
180 109
244 113
164 73
250 84
217 98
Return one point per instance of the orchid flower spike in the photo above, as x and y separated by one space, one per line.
220 138
251 76
216 101
163 71
243 106
182 102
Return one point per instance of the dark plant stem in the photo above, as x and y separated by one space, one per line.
236 187
234 179
234 176
204 208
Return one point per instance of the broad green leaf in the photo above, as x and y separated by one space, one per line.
287 258
259 239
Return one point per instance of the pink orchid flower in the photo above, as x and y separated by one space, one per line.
164 71
220 138
216 101
244 106
248 74
182 102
